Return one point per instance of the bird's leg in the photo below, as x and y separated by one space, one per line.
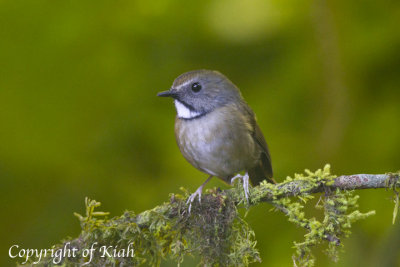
246 185
245 179
197 193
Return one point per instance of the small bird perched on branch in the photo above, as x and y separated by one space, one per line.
216 130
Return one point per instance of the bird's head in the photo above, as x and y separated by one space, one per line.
199 92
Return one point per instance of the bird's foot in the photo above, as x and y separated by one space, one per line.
197 193
193 196
236 177
245 179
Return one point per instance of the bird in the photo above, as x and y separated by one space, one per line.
216 130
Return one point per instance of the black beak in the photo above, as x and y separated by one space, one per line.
169 93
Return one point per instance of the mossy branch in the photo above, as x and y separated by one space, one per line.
215 231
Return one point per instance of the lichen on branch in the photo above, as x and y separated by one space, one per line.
339 211
216 232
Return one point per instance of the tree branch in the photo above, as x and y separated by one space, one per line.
344 182
215 230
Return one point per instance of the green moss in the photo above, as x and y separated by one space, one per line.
393 183
214 231
339 208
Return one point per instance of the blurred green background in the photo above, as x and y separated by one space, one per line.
79 114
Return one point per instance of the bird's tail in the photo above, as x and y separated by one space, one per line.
261 172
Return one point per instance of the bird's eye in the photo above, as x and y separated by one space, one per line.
196 87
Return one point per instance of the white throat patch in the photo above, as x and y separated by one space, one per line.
184 112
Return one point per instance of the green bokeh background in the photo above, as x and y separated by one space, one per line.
79 114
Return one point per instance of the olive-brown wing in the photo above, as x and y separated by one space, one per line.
263 169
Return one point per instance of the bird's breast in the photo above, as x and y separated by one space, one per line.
218 143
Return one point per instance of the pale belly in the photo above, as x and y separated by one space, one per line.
218 147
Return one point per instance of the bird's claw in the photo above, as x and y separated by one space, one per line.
235 177
245 179
193 196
